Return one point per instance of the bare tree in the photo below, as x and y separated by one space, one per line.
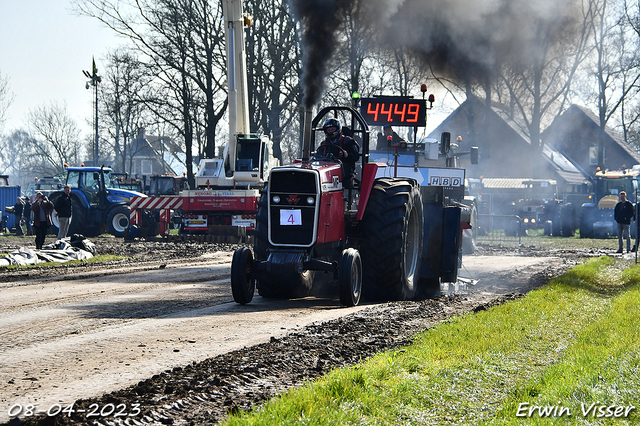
121 105
18 158
274 56
613 65
181 42
538 80
5 99
55 139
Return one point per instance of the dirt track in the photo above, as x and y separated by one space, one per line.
135 339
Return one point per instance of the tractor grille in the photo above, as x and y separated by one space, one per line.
292 220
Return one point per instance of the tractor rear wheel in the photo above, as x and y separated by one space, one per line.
391 243
243 284
271 285
350 277
118 220
586 223
567 216
78 223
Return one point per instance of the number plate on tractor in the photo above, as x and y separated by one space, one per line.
290 217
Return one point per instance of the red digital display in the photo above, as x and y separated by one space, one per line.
395 111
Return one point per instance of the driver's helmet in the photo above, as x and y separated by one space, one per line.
332 124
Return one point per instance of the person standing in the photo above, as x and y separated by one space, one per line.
41 208
63 211
623 213
18 209
27 215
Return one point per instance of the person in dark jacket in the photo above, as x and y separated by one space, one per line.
383 138
27 215
41 208
623 213
63 212
341 147
18 209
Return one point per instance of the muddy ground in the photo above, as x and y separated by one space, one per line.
204 393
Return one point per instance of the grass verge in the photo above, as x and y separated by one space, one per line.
566 353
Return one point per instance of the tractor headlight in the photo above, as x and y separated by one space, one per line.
526 220
276 199
310 200
533 221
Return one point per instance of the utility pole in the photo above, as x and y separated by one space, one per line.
94 79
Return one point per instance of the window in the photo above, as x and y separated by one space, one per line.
147 167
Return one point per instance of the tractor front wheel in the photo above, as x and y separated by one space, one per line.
350 277
243 283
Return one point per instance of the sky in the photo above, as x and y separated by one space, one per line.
44 48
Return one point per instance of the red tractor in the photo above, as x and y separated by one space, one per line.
366 240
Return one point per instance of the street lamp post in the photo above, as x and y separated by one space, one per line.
94 79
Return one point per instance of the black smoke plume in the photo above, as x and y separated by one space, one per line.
457 38
319 21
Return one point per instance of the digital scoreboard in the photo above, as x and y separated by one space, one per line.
395 111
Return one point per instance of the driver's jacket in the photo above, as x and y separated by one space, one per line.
348 144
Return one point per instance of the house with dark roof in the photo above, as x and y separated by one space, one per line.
575 133
505 150
153 155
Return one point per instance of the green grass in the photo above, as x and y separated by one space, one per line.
574 341
537 239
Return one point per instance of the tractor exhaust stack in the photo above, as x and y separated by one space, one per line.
306 136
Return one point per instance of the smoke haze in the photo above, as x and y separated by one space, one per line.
454 36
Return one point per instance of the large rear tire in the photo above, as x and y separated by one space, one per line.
568 218
243 283
78 223
350 277
271 285
392 233
586 223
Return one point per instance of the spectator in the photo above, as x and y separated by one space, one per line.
63 212
383 138
623 213
41 208
27 215
18 209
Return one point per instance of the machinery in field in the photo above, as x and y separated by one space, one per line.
541 208
124 181
46 185
596 216
97 205
224 202
387 237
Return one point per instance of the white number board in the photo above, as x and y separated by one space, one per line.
290 217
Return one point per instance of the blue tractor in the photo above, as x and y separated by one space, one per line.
97 205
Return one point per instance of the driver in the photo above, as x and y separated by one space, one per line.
341 147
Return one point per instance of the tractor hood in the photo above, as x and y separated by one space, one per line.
330 173
116 195
608 202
